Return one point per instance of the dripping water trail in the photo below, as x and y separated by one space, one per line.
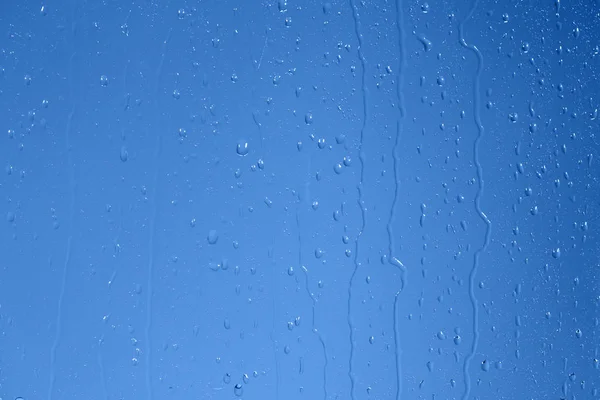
392 258
272 334
478 195
102 373
152 229
72 187
314 304
361 157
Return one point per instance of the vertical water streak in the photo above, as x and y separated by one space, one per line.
477 200
361 157
314 305
392 258
152 230
72 188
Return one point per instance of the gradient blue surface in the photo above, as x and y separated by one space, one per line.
300 200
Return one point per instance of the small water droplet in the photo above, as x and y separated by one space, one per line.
104 80
124 155
308 118
485 366
238 389
212 237
242 148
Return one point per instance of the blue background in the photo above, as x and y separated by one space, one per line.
301 199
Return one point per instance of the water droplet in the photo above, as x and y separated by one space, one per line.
337 215
556 252
534 210
308 118
513 117
234 78
181 13
282 5
227 378
578 333
104 80
212 237
425 8
485 366
27 80
242 148
427 45
505 18
124 155
238 389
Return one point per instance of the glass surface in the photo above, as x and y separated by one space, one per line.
292 199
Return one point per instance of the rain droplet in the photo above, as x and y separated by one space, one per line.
124 154
212 237
238 389
104 80
242 148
